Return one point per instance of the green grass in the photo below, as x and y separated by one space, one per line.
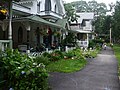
117 54
66 66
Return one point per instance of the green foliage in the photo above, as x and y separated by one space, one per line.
117 54
92 44
46 54
59 53
56 55
69 54
90 53
70 12
116 24
66 66
42 59
90 6
22 72
74 62
69 40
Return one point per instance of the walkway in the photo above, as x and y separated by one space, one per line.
99 74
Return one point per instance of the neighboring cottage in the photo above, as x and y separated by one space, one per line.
35 22
83 28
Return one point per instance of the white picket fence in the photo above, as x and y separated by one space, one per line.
35 54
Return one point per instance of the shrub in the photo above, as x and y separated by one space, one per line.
70 54
46 54
22 72
42 59
59 53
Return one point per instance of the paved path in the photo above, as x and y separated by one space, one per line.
99 74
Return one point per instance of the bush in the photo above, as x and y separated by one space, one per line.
42 59
56 55
22 72
92 44
46 54
59 53
70 54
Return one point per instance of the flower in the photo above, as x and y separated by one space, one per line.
19 67
11 89
23 72
4 11
34 63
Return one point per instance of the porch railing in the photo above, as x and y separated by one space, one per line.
82 43
4 44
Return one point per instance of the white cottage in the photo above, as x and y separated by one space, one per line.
83 28
34 23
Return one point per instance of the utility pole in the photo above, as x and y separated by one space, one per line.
110 35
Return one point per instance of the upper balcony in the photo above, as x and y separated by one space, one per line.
50 14
79 27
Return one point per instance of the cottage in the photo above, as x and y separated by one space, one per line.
83 28
35 23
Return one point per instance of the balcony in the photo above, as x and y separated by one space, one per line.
82 43
50 13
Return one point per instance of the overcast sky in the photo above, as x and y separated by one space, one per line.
99 1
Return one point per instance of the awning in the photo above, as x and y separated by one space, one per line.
37 19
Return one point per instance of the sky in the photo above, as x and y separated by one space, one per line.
99 1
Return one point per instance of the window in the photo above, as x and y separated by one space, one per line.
55 8
38 7
47 5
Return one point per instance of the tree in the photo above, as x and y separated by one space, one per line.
91 6
116 23
70 12
80 6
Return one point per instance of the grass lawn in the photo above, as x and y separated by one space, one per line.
66 66
71 65
117 54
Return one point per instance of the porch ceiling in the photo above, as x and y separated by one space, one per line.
37 19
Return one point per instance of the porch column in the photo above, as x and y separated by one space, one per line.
87 39
28 40
27 26
10 21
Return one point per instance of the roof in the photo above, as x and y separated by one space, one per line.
37 19
63 23
85 16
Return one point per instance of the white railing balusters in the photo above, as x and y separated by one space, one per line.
5 44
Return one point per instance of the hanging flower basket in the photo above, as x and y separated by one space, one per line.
56 33
41 32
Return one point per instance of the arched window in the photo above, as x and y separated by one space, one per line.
38 7
47 5
20 35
